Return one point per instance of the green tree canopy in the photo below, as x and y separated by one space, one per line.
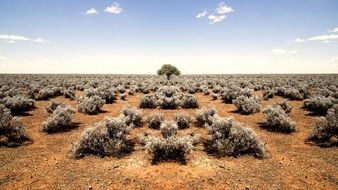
168 70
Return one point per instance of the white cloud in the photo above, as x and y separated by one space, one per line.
299 40
91 11
283 51
334 30
214 18
327 37
114 9
3 58
202 14
224 9
15 38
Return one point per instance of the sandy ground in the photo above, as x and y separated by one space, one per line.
46 163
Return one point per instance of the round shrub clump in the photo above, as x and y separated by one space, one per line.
108 138
278 120
154 120
90 105
204 115
228 138
183 120
59 120
148 101
247 105
326 131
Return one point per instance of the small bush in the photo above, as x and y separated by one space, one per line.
109 138
268 94
59 120
123 96
326 131
276 119
70 94
18 104
214 96
286 107
90 105
183 120
148 101
189 101
318 104
11 128
168 129
247 105
203 116
154 120
52 106
228 138
133 116
176 149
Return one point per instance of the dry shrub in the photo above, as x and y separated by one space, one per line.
318 104
278 120
228 138
108 138
168 129
59 120
11 128
326 131
18 104
133 116
154 120
203 116
247 105
182 119
52 106
90 105
148 101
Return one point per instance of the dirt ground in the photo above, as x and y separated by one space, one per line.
46 162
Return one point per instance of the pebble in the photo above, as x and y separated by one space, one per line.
90 187
56 162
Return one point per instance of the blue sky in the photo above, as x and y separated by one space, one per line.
137 37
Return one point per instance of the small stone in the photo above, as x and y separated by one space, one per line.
56 162
90 187
227 183
247 187
280 162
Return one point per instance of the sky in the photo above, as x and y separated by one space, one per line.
197 36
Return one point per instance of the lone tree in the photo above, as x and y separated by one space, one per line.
168 70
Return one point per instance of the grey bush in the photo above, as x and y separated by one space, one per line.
277 119
69 93
182 119
52 106
18 104
154 120
203 116
133 116
11 128
123 96
286 107
108 138
228 138
90 105
214 96
318 104
326 130
268 94
168 129
173 148
59 120
148 101
189 101
247 105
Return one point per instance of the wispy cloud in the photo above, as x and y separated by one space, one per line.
224 9
16 38
324 38
218 14
113 9
215 18
91 11
202 14
334 30
282 51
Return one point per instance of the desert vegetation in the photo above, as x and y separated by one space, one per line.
200 122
